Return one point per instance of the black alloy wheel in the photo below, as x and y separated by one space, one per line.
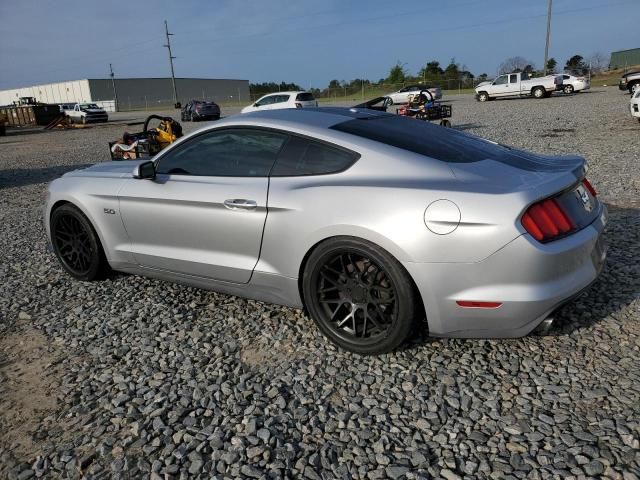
76 244
360 296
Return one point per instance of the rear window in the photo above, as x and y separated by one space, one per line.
305 97
307 157
445 144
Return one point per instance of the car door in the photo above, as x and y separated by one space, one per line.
513 87
204 213
500 86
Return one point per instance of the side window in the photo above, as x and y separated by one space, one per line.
282 98
565 77
266 101
307 157
501 80
513 78
224 153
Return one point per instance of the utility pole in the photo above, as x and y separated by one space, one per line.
115 92
546 46
171 57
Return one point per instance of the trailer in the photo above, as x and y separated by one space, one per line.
27 112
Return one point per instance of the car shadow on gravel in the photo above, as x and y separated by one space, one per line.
467 126
20 177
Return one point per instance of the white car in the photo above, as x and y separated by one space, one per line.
634 104
404 95
279 100
572 84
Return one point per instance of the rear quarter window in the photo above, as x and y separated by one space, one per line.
444 144
301 157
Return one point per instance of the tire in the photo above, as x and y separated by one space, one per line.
360 297
76 244
568 89
483 97
633 88
538 92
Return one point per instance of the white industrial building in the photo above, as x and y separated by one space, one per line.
133 93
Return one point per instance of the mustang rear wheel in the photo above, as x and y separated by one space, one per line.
76 244
568 89
359 296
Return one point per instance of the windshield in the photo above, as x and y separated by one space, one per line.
84 106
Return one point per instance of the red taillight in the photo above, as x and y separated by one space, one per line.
546 220
588 186
298 105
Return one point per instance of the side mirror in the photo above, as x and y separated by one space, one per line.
146 170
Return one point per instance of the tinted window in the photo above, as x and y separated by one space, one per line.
305 97
266 101
513 78
306 157
225 153
443 144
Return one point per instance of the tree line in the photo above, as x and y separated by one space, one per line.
452 76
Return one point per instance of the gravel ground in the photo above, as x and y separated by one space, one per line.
135 378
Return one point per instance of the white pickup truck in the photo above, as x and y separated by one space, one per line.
518 85
86 113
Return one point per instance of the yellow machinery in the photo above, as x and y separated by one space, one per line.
147 143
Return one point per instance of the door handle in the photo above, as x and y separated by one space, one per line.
240 204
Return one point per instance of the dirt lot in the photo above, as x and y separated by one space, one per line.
136 378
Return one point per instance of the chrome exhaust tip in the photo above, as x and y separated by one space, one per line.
545 326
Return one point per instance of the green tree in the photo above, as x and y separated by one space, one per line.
551 65
576 64
397 74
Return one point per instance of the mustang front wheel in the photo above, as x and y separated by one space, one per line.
76 244
360 297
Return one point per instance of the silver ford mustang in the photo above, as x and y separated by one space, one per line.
370 221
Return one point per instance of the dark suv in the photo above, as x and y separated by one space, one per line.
196 110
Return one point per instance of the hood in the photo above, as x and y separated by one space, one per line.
482 84
94 110
118 169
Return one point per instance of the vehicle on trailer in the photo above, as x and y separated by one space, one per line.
370 220
281 100
518 84
634 104
630 81
87 113
405 94
197 110
573 84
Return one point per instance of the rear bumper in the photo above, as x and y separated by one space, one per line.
530 279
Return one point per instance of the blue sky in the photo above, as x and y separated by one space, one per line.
307 42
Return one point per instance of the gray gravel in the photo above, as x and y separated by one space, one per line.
152 379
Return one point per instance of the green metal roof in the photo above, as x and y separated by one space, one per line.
625 58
